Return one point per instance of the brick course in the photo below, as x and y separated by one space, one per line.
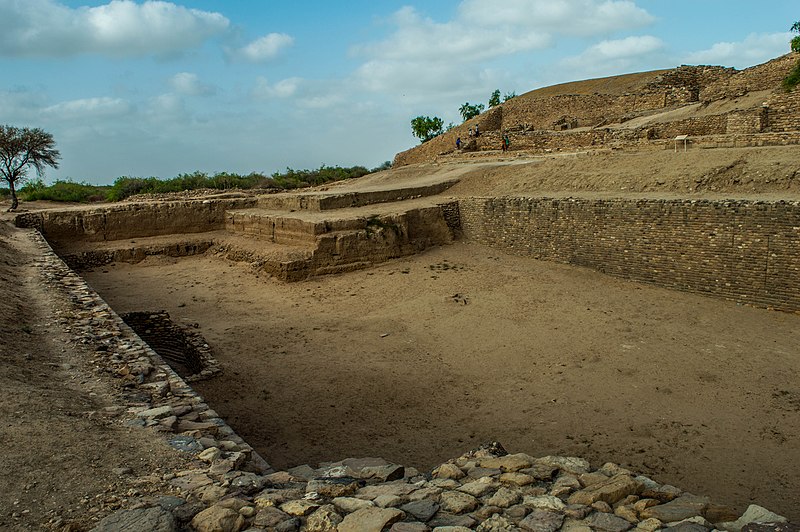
745 251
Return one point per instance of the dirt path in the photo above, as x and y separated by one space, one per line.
422 358
63 453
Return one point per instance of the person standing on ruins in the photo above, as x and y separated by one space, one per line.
458 143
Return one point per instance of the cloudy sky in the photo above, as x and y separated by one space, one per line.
145 88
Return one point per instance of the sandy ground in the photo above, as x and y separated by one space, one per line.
422 358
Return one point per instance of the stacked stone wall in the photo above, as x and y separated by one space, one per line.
748 121
744 251
766 76
132 220
784 111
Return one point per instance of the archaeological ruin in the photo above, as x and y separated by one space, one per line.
737 244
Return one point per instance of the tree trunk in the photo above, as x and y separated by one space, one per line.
14 200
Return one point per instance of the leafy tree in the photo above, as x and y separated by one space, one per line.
426 127
469 111
22 148
793 79
494 99
509 95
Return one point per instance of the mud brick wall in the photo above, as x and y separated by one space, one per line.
695 126
744 251
749 121
784 111
766 76
131 220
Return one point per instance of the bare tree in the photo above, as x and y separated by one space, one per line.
22 148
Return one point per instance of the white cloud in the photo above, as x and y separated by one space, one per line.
423 55
569 17
754 49
282 89
189 84
613 57
418 38
264 48
304 94
88 108
121 28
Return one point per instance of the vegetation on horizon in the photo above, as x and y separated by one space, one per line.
426 127
793 79
125 186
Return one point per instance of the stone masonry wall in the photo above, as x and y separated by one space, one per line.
783 111
131 220
745 251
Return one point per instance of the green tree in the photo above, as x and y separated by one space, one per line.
426 127
469 111
494 99
793 79
509 95
22 148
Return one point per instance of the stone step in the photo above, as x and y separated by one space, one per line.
326 200
305 227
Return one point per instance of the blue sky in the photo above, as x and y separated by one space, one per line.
145 88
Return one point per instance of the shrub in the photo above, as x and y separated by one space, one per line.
61 190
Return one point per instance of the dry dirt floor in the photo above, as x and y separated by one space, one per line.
420 359
64 453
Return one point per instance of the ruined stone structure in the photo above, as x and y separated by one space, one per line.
645 110
745 251
740 250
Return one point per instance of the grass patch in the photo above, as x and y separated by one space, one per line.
793 79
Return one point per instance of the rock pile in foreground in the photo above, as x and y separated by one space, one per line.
484 490
230 488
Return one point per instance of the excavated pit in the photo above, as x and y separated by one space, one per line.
181 346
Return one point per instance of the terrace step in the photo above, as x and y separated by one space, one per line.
342 199
304 227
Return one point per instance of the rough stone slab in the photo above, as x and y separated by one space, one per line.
142 520
270 517
409 527
479 487
457 503
504 498
542 521
393 488
423 510
607 523
754 514
508 463
370 519
351 504
218 519
683 507
611 490
544 502
325 519
299 507
569 464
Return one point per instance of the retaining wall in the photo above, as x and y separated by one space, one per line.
745 251
132 220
